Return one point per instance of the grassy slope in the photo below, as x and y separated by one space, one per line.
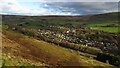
29 49
11 54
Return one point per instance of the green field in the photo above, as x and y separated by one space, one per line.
108 29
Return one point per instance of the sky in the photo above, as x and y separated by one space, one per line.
57 7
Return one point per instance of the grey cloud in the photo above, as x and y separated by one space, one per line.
84 7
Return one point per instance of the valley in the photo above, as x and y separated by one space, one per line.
79 38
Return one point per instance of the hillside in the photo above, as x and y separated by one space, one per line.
36 52
94 21
79 17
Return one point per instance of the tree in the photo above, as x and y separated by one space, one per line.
114 60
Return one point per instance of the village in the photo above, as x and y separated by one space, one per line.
78 35
71 36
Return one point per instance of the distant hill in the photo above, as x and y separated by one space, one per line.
96 18
78 17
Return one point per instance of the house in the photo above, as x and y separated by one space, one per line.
70 31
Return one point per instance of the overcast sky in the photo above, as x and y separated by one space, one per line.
57 7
